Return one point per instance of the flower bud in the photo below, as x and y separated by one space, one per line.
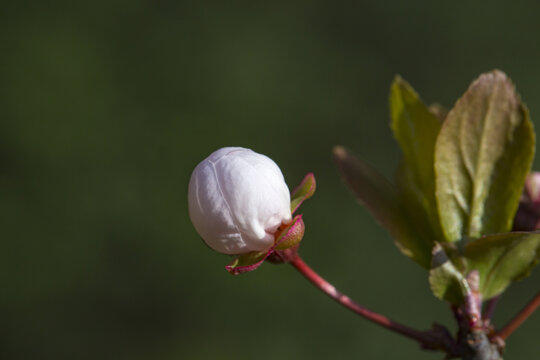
237 200
528 214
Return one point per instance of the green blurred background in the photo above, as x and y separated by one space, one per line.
107 106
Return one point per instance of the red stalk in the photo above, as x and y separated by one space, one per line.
516 322
426 338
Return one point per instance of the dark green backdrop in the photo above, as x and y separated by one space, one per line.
105 109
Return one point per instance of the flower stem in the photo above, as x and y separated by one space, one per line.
427 338
516 322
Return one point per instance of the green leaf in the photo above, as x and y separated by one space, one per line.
380 197
302 192
482 156
416 128
502 259
446 281
410 195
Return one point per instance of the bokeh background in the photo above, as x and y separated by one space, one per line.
107 106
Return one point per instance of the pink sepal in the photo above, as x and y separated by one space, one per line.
289 236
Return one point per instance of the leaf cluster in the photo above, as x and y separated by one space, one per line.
457 188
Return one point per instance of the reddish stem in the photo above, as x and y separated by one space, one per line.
424 338
516 322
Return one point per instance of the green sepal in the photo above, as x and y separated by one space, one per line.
291 235
302 192
247 262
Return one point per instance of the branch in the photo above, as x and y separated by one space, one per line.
516 322
438 338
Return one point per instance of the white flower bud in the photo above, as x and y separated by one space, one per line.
237 200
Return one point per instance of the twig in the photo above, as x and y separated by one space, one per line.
516 322
429 339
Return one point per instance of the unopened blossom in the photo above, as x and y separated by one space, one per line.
237 200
